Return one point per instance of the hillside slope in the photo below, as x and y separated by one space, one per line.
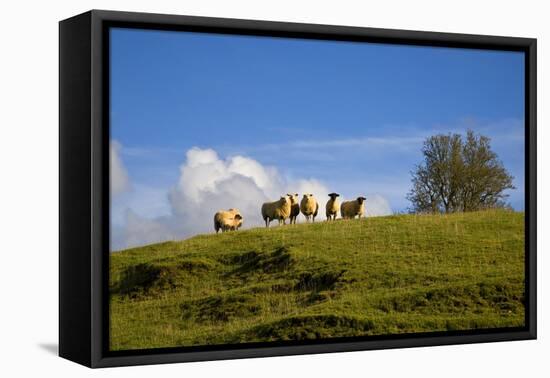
385 275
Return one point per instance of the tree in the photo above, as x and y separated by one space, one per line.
458 175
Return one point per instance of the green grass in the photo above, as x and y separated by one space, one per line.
376 276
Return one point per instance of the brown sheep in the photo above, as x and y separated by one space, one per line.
229 220
351 209
279 210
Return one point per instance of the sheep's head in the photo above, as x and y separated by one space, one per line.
285 199
334 195
293 198
360 200
238 220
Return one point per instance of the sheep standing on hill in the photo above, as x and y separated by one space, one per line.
229 220
279 210
294 207
332 206
350 209
309 207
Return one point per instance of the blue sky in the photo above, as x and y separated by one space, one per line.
351 115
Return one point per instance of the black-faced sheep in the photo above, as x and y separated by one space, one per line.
309 207
294 207
332 206
279 210
229 220
351 209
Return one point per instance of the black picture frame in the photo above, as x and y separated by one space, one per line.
84 186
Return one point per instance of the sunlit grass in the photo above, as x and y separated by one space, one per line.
384 275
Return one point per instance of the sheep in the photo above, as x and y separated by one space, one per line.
332 206
229 220
309 207
279 210
294 207
349 209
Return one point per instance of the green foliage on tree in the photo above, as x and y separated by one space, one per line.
458 174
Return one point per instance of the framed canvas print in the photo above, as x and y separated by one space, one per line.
234 188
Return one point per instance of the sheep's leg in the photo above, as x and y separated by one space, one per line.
266 222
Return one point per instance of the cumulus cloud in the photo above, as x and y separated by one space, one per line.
208 183
119 175
376 205
139 230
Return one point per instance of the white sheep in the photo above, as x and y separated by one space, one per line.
279 210
351 209
294 207
229 220
332 206
309 207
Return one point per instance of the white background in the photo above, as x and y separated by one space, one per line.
29 186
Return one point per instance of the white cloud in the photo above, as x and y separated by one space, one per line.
376 205
363 143
385 142
203 172
119 175
146 201
208 183
141 231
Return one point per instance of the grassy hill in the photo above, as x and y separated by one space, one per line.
384 275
